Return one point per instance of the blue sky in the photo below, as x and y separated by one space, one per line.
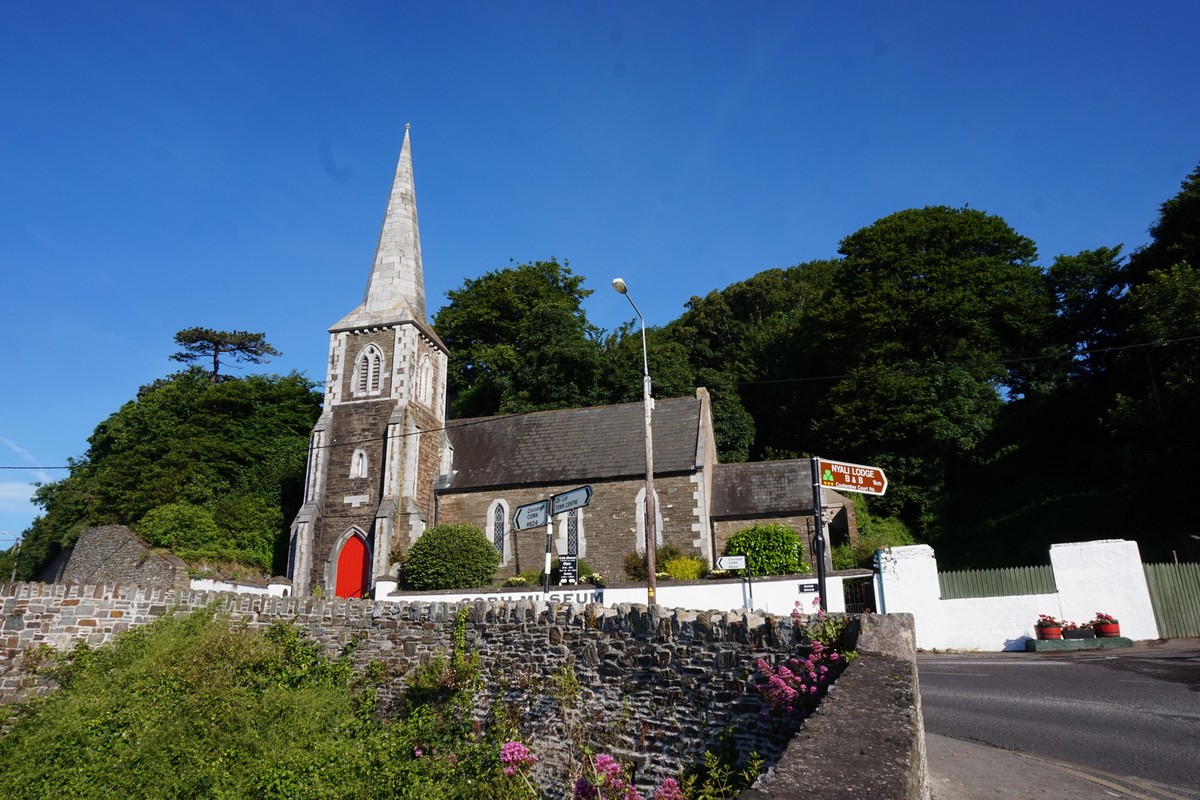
226 164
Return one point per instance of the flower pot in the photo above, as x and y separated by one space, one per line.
1107 630
1049 633
1079 633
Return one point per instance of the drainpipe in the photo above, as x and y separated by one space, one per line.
878 559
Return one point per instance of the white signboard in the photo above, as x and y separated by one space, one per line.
530 515
569 501
731 562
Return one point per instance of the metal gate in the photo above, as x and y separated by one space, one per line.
858 593
1175 595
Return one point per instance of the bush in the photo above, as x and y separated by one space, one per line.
685 568
635 563
769 550
874 533
450 557
238 529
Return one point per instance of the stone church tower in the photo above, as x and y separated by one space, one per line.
376 450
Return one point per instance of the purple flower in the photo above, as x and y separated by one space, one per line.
584 790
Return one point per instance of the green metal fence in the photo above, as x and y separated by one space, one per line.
1175 595
997 582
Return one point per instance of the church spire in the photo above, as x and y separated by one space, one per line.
396 287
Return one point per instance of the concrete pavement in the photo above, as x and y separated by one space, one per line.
967 771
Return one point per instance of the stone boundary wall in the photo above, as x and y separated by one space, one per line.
656 686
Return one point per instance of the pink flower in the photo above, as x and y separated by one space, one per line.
516 757
669 791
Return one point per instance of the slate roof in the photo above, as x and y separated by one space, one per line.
572 445
762 488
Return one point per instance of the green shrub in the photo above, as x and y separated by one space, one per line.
195 706
635 563
450 557
874 533
769 550
684 568
238 529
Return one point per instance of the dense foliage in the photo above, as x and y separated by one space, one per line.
874 533
769 550
192 707
450 557
212 471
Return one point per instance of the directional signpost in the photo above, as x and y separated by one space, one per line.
843 477
737 562
731 562
569 501
530 515
541 512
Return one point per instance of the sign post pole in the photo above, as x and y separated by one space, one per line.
549 539
739 563
819 527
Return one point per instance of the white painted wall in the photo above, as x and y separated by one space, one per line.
770 595
1091 577
209 585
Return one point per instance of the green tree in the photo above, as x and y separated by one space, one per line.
931 318
1088 289
206 343
1175 236
235 450
753 344
518 339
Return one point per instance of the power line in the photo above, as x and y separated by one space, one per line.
812 379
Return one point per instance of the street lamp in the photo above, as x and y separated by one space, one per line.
648 404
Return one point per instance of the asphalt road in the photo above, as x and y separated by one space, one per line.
1110 714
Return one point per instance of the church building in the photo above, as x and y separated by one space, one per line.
384 463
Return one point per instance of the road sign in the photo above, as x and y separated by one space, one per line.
845 477
731 562
530 515
568 501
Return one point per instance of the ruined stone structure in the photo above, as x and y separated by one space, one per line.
113 554
384 464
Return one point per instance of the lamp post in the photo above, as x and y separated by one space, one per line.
648 405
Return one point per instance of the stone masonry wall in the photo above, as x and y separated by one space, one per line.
610 523
655 687
114 554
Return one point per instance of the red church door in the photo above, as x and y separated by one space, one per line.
352 564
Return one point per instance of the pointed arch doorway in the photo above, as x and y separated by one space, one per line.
353 565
